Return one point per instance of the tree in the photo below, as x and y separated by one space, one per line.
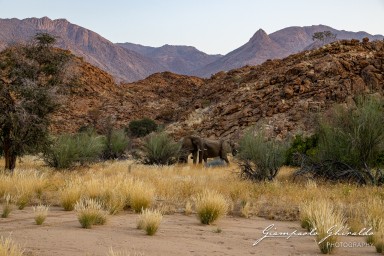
142 127
324 37
29 76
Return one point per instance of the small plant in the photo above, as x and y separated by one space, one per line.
9 248
142 127
217 230
90 212
245 209
7 206
188 208
149 221
41 212
160 149
210 206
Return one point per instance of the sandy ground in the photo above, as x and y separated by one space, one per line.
61 234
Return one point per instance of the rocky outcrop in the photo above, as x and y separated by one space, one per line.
286 95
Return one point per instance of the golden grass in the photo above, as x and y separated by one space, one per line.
322 215
41 213
9 248
120 185
210 206
90 212
149 220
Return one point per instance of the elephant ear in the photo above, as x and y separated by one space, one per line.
225 146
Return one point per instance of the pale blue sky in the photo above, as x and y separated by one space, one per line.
213 26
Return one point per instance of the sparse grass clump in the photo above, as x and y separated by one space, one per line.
210 206
41 212
373 216
149 221
7 206
322 215
9 248
90 212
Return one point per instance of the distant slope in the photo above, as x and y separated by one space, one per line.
277 45
123 64
176 58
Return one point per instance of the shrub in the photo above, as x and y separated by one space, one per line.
210 206
67 150
301 146
259 158
149 221
160 149
41 212
115 143
90 212
142 127
350 144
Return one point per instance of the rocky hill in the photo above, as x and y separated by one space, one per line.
283 95
277 45
286 94
176 58
95 98
121 63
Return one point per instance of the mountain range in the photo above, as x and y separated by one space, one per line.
131 62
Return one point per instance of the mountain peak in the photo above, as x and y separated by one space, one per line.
260 35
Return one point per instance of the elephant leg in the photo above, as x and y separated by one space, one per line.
194 155
201 156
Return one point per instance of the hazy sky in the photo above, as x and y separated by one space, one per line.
213 26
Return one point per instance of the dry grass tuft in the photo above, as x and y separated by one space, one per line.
41 213
90 212
149 221
9 248
322 216
140 196
7 206
210 206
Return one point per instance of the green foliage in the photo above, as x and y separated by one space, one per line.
142 127
160 149
67 150
350 144
28 95
115 144
260 159
301 146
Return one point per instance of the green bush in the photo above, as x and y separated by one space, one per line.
301 146
160 149
142 127
350 145
115 144
260 159
67 150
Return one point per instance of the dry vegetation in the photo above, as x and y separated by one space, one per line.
119 186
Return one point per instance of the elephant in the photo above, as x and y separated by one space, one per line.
191 145
218 148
